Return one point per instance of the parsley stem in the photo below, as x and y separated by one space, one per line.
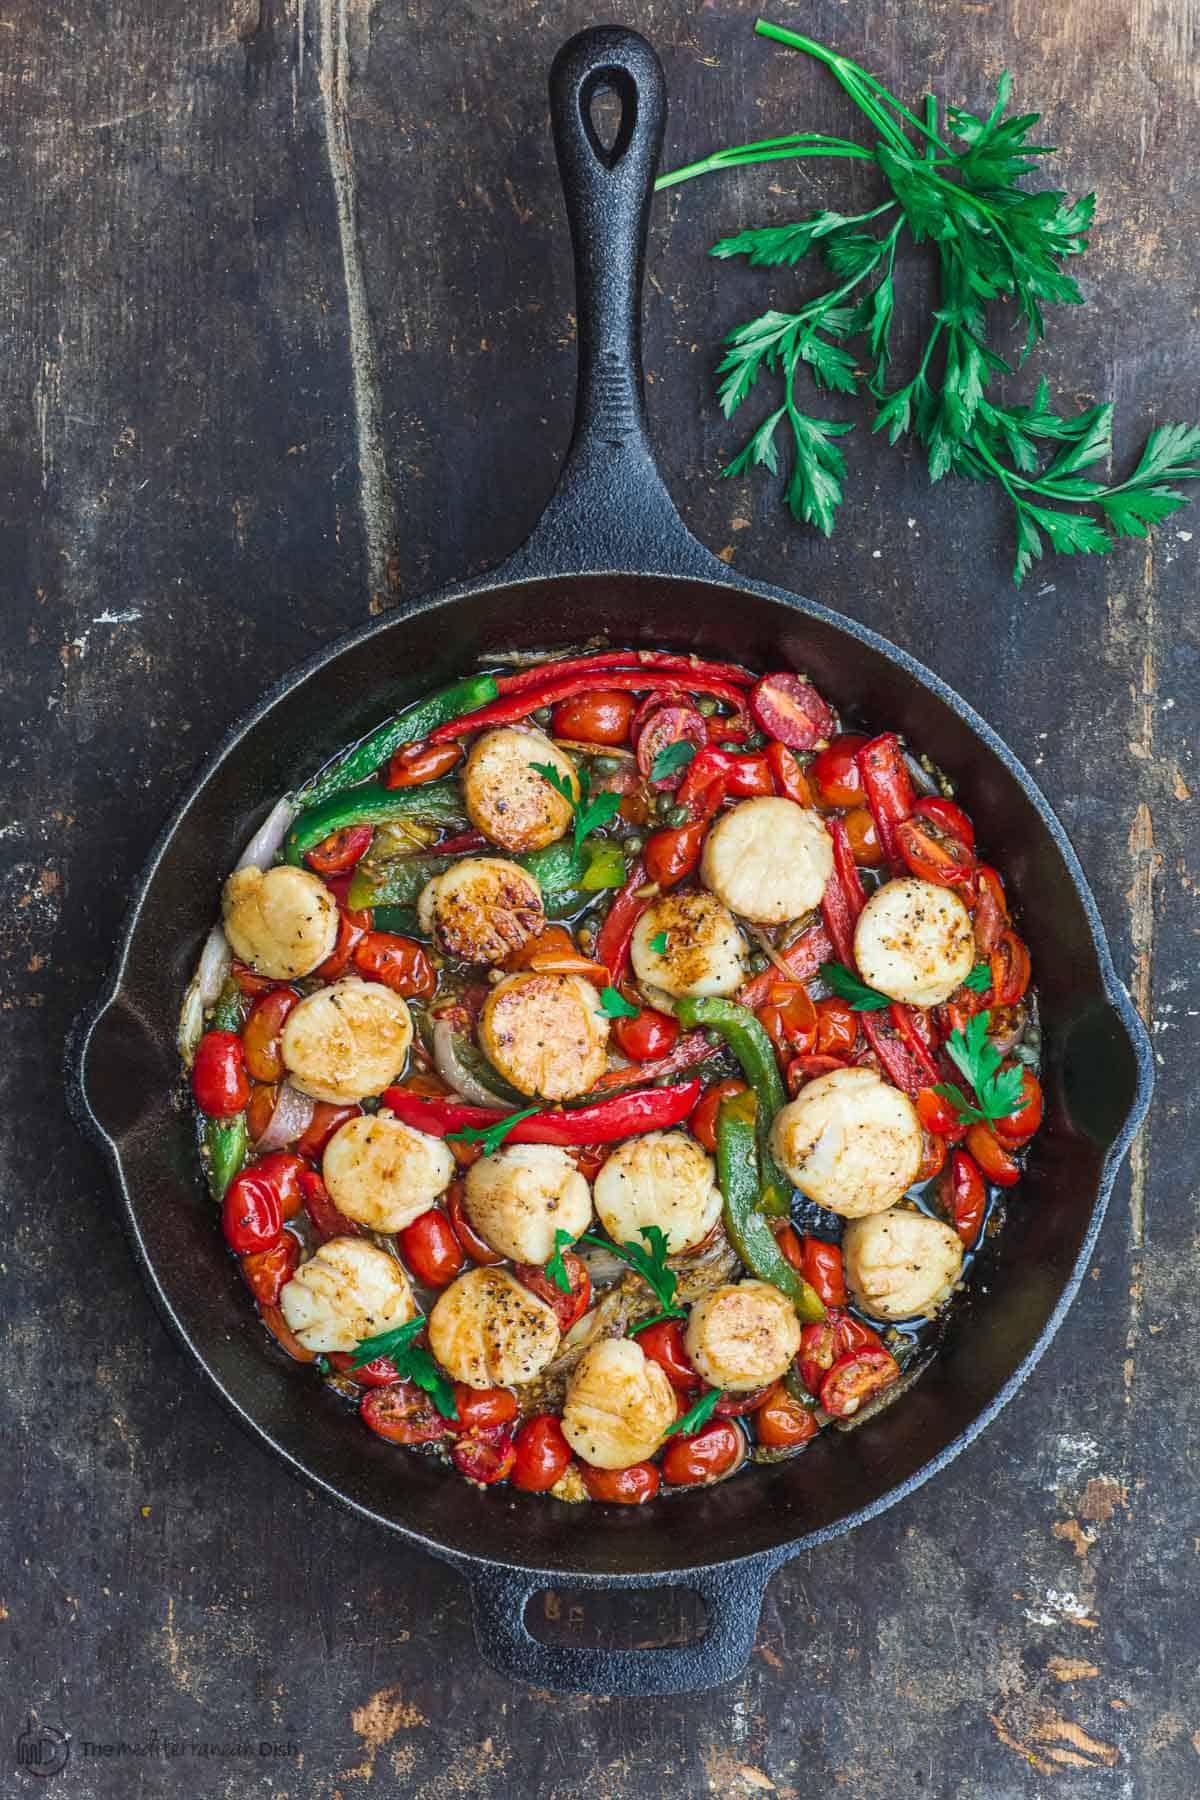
850 75
768 150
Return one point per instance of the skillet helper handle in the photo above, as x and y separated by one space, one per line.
610 509
732 1599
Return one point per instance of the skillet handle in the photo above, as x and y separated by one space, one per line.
732 1598
610 509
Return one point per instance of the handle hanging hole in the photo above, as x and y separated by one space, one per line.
608 109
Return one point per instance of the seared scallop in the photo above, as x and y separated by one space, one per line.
284 923
489 1331
914 941
520 1197
900 1263
742 1336
346 1041
664 1178
619 1405
768 860
850 1141
349 1290
688 944
482 908
545 1034
507 799
384 1174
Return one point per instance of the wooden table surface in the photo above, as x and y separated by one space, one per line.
287 337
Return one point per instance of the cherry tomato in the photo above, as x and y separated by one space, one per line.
267 1272
325 1121
402 1413
260 1109
379 1373
822 1267
675 852
621 1487
251 1216
962 1196
865 846
854 1377
1010 967
837 1027
664 727
414 764
262 1033
327 1222
790 779
821 1345
808 1068
399 962
947 817
464 1231
284 1336
1020 1124
782 1423
352 928
219 1080
248 982
599 718
339 852
482 1409
484 1457
283 1168
543 1454
651 1035
703 1122
931 855
567 1308
936 1114
790 709
789 1019
834 772
705 1456
997 1165
734 1405
933 1155
429 1248
749 777
990 910
663 1343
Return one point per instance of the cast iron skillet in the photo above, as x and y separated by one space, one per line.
611 551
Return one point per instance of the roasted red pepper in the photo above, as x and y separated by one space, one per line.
843 898
616 933
789 778
645 1109
889 790
802 959
692 1048
516 705
662 661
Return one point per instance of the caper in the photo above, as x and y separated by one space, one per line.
663 804
756 740
606 765
758 962
729 745
713 1037
706 706
634 844
678 815
543 715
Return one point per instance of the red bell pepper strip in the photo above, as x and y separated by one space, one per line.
713 773
614 936
802 959
663 661
889 791
789 777
605 1122
843 898
692 1048
327 1222
510 709
460 845
896 1057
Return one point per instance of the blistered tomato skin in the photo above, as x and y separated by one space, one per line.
705 1456
430 1249
631 1486
782 1423
599 718
219 1080
251 1217
543 1454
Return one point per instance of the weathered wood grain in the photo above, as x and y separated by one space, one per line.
286 332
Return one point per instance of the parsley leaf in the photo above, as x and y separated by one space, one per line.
650 1264
671 757
997 1090
658 943
490 1137
980 978
556 1268
615 1006
696 1416
413 1362
848 987
590 814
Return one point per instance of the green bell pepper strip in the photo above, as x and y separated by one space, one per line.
399 919
226 1140
373 804
746 1225
564 874
406 728
606 868
754 1050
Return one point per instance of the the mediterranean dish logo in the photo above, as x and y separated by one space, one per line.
43 1749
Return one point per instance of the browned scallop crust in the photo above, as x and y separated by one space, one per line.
545 1034
506 798
482 909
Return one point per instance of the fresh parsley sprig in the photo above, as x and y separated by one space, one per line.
651 1265
490 1137
997 1090
980 978
658 943
957 185
690 1422
590 814
670 758
614 1005
555 1267
846 985
413 1363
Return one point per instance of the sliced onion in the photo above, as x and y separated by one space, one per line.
290 1120
455 1073
268 839
204 991
603 1266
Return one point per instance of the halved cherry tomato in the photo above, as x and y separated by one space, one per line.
808 1068
663 1343
415 764
1011 968
989 909
484 1457
782 1423
854 1377
790 779
835 773
932 855
651 1035
353 927
675 852
543 1454
602 717
381 1372
821 1345
325 1121
327 1222
933 1155
567 1308
789 1019
1021 1123
997 1165
251 1216
267 1272
705 1456
219 1080
464 1231
863 836
703 1122
429 1248
399 962
837 1027
790 709
947 817
482 1409
341 850
664 727
263 1030
962 1196
402 1414
621 1487
284 1336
